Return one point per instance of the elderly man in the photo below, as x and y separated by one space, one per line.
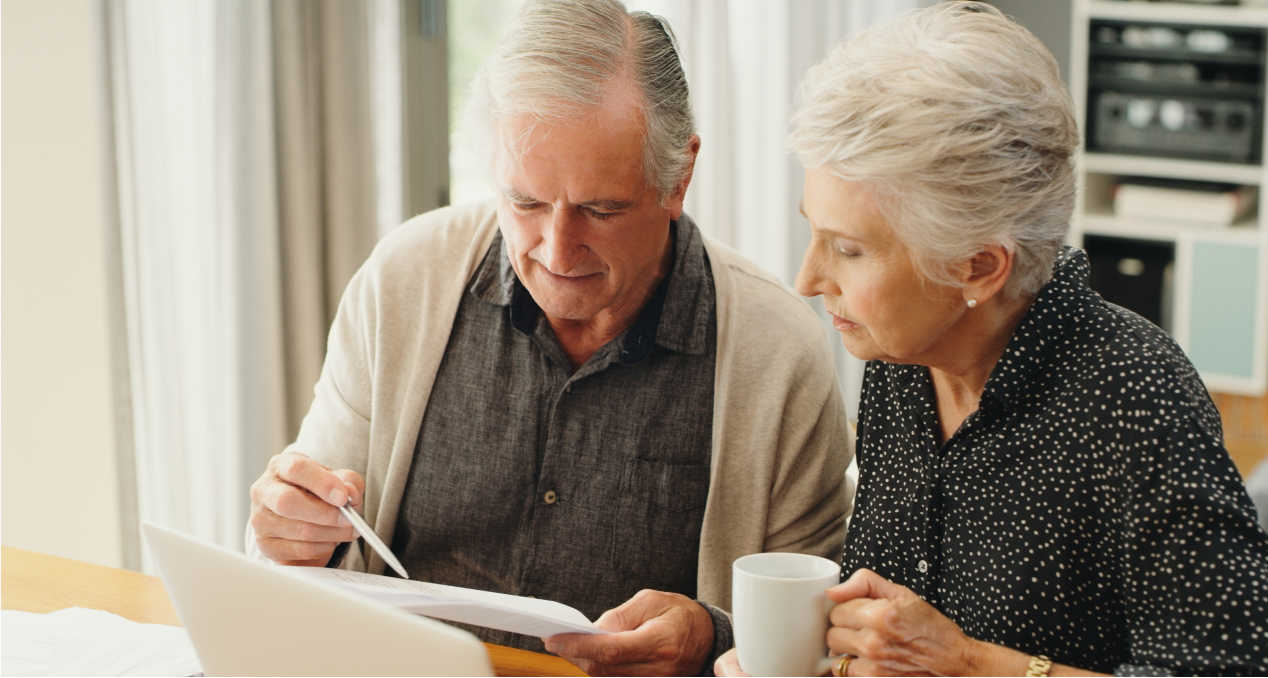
570 393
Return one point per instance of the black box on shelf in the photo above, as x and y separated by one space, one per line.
1135 274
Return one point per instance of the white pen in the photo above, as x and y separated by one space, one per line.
363 528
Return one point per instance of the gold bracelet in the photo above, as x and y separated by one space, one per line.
1039 667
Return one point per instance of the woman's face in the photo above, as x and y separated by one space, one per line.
867 280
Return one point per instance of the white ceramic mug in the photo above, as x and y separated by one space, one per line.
780 613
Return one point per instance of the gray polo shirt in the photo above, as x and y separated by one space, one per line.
582 487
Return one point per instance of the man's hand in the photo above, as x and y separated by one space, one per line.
294 509
653 634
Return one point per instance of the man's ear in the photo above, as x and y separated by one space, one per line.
675 200
987 272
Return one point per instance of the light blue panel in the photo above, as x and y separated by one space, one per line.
1222 329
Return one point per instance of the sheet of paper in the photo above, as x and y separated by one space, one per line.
529 616
80 642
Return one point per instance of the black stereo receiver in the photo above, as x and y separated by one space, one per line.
1175 90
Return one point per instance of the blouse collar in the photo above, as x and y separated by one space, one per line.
1061 308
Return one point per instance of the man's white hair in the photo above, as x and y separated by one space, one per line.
560 58
957 118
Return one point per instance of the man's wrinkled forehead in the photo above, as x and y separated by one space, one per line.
516 140
516 135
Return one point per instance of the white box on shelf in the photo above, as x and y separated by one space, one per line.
1189 202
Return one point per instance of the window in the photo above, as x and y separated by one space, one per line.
475 27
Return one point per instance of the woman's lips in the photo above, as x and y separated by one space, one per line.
842 324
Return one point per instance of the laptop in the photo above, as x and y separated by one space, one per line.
249 618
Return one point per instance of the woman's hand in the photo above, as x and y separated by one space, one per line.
728 664
893 632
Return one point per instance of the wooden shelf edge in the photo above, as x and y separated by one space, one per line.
1099 223
1171 168
1167 12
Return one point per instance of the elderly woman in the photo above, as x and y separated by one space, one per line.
1043 485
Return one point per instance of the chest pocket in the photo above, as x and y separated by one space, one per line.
656 536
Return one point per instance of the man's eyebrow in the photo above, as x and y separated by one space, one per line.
609 205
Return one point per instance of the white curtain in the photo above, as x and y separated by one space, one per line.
339 173
248 195
744 59
197 201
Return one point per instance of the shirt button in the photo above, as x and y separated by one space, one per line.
922 566
569 389
551 497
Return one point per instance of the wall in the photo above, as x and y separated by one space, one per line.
60 489
1049 20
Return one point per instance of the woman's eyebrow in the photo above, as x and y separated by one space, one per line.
801 207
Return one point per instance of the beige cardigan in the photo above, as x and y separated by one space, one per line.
781 442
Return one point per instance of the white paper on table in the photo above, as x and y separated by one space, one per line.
529 616
80 642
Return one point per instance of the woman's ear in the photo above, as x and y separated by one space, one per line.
987 272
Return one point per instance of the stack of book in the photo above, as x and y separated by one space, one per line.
1196 203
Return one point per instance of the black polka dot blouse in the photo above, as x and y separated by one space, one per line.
1087 511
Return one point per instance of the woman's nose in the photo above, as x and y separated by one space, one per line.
809 282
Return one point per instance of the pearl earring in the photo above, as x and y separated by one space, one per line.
972 303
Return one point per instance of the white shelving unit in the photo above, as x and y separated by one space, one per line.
1219 304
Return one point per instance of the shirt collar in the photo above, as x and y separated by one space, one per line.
1054 314
676 317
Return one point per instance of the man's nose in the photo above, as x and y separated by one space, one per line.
562 242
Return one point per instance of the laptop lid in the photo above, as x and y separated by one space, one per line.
248 618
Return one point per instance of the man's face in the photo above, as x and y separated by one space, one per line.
585 232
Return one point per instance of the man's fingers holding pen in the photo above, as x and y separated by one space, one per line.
300 471
355 485
269 524
304 554
295 503
294 509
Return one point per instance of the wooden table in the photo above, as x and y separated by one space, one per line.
34 582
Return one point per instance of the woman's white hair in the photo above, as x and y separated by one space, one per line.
957 118
561 57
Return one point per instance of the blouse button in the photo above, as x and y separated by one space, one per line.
922 566
551 497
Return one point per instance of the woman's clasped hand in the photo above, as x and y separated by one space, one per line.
890 631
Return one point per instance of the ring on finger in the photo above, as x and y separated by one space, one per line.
842 667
